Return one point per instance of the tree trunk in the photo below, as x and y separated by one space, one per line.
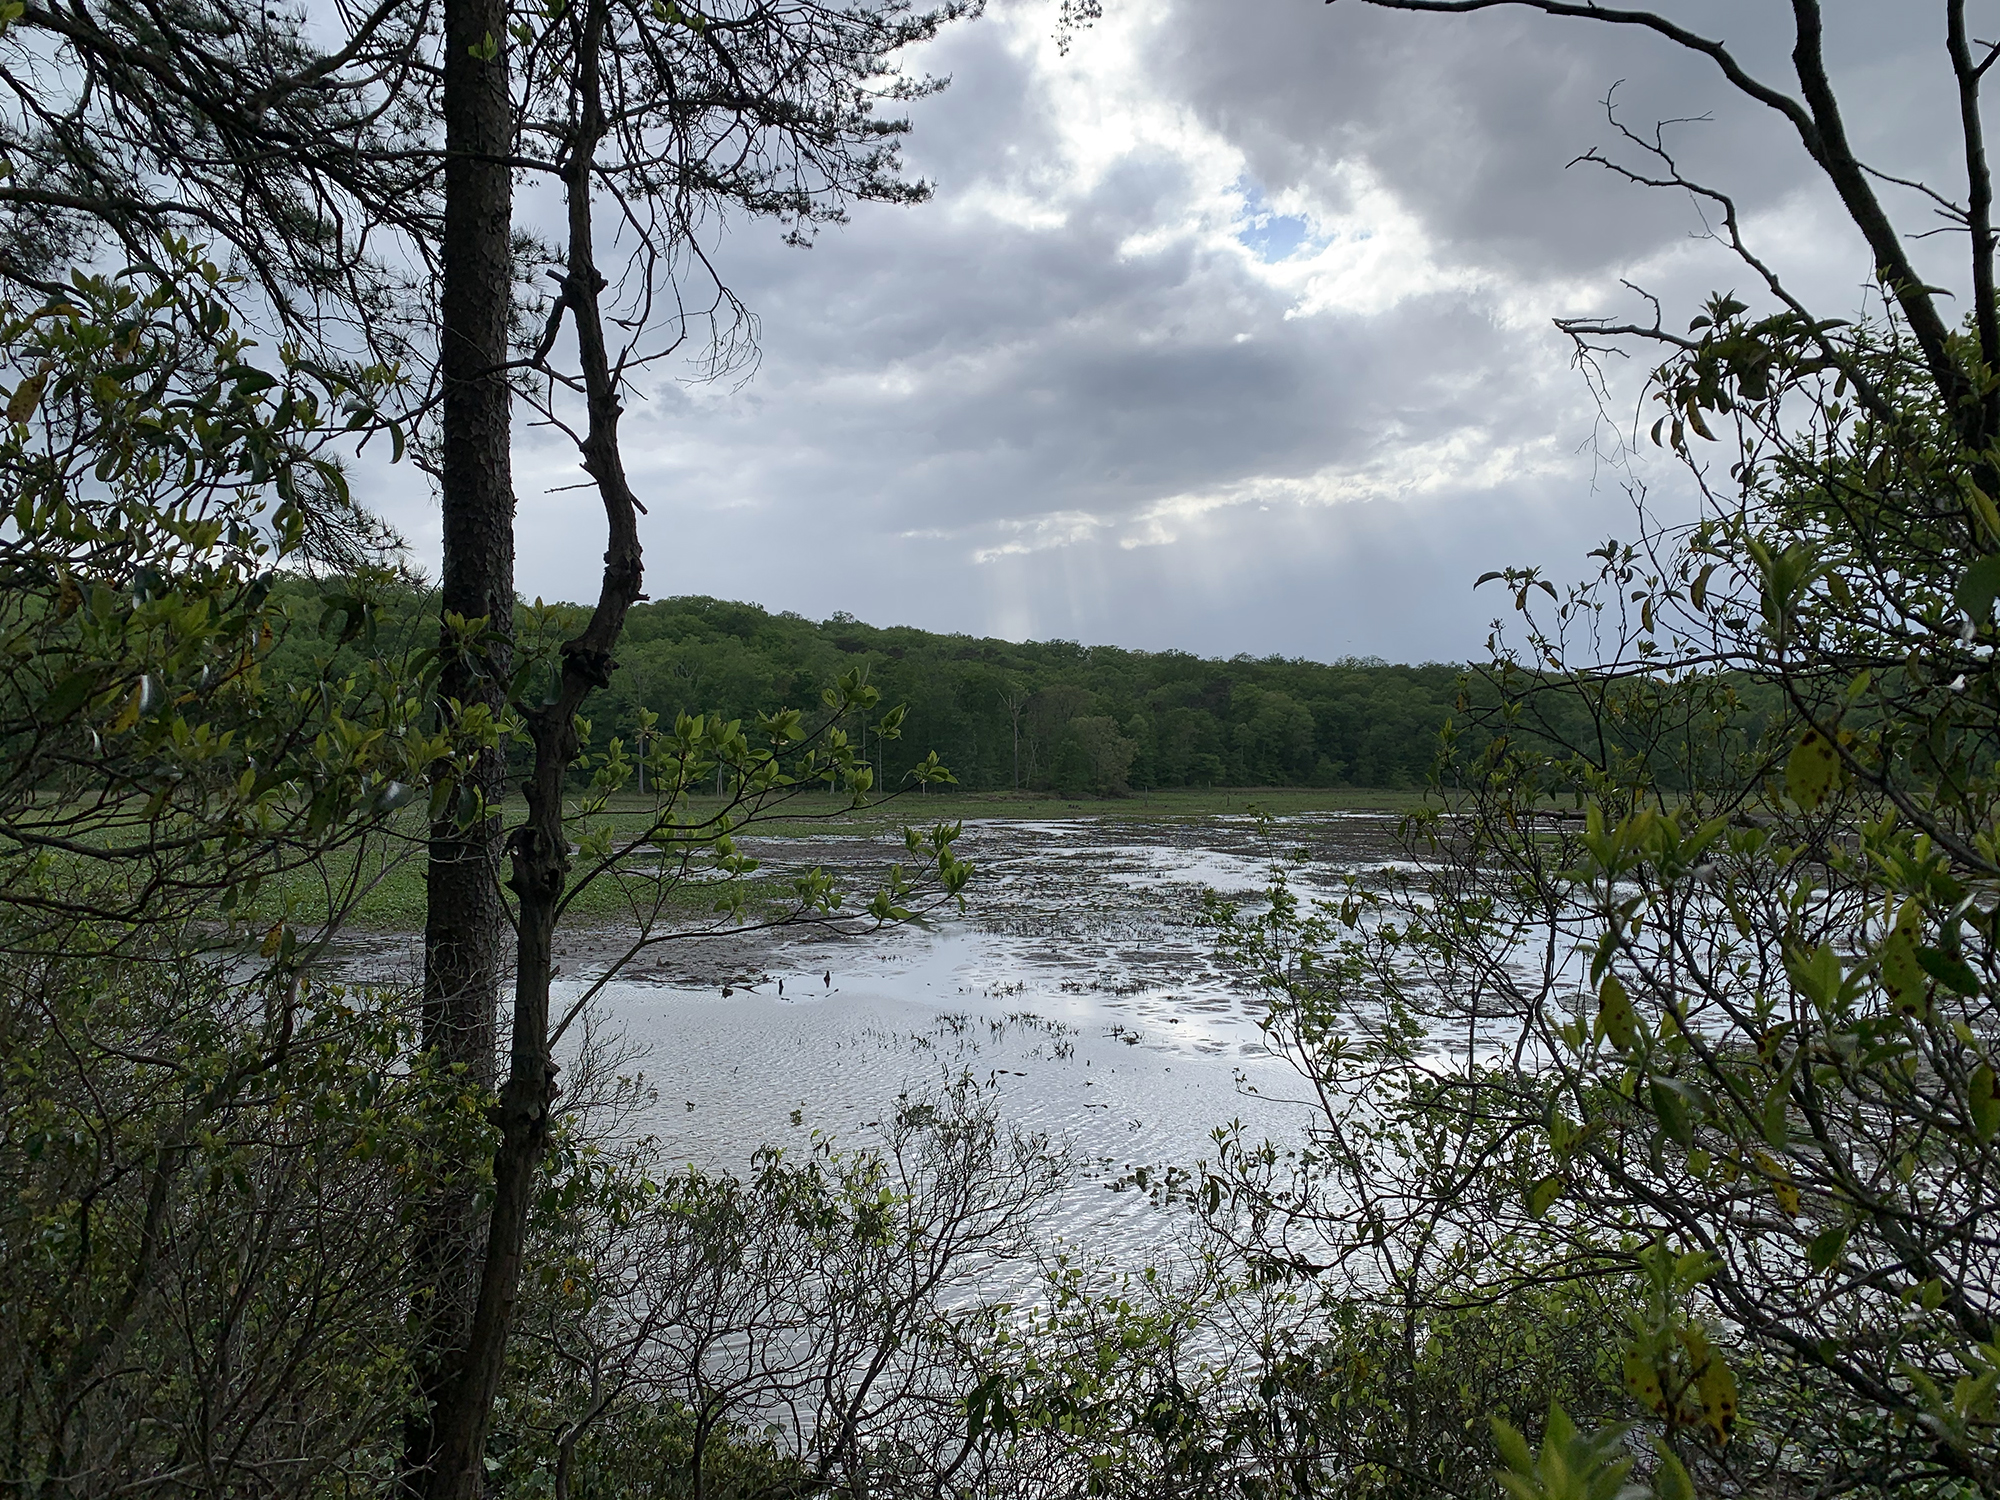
465 919
539 849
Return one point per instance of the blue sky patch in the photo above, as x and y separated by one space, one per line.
1267 234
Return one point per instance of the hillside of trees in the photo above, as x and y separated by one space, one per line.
1046 715
1038 715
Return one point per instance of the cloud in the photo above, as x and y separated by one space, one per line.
1229 330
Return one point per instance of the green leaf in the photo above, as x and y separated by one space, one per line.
1824 1249
1542 1194
1615 1016
323 809
1949 970
1817 975
1513 1447
1670 1108
1670 1480
1984 1097
70 695
1978 587
249 380
1698 594
1774 1124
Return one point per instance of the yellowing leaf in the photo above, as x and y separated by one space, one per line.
1716 1385
1902 971
1615 1016
272 940
1988 513
1782 1186
27 396
1810 770
1643 1381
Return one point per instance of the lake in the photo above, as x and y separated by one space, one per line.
1080 981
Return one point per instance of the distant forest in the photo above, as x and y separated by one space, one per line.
1039 715
1046 715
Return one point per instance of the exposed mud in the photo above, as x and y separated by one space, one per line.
1080 981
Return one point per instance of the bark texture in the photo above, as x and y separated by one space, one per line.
465 920
538 849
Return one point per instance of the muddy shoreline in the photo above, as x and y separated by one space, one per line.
1080 982
1118 897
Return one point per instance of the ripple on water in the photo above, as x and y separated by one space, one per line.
1141 1043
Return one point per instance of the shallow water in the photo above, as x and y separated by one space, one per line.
1080 981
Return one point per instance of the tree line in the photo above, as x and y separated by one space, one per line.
1044 716
1050 715
1037 715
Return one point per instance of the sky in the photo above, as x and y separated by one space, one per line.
1229 328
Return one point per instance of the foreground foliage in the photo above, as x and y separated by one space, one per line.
208 1156
1705 1025
218 1169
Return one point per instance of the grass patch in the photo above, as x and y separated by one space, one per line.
382 887
382 881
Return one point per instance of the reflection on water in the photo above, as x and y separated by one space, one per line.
1080 982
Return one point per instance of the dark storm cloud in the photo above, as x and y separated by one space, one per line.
1474 118
1228 332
